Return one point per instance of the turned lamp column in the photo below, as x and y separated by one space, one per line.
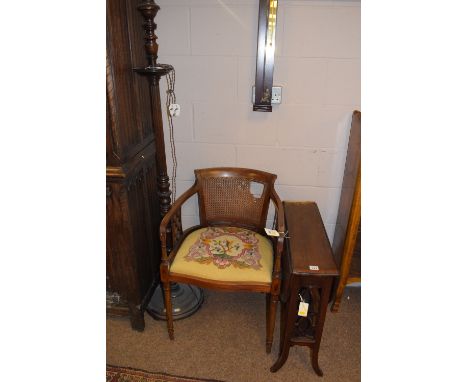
154 72
186 299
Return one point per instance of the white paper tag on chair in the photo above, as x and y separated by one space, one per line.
271 232
303 309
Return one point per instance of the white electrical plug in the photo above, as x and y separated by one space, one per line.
174 109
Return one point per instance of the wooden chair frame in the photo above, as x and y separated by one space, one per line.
171 233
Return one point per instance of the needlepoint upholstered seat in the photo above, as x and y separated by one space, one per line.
229 249
225 254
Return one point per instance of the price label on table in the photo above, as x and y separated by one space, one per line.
303 309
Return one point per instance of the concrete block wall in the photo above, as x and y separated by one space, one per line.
212 45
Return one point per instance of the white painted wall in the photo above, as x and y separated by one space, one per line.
212 45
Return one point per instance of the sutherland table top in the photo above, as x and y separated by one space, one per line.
308 241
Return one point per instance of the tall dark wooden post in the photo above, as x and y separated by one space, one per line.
185 299
154 72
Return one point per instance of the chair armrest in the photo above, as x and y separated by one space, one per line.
163 230
279 211
280 228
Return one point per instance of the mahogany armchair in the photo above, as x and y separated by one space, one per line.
229 249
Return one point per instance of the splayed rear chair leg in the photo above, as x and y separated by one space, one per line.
271 321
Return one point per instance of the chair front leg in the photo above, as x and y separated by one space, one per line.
168 306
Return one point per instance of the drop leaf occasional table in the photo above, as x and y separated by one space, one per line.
309 270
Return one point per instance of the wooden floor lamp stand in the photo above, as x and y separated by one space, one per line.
187 299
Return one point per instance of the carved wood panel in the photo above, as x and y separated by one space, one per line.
129 121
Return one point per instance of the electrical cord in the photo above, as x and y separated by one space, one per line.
171 99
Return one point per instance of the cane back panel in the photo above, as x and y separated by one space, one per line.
234 196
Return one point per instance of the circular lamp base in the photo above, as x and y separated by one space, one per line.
186 300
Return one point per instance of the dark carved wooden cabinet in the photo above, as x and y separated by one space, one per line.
133 215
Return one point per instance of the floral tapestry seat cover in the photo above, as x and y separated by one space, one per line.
225 254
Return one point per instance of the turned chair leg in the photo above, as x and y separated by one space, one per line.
271 321
168 306
267 316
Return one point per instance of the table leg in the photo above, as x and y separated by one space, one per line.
283 316
324 295
288 318
314 361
